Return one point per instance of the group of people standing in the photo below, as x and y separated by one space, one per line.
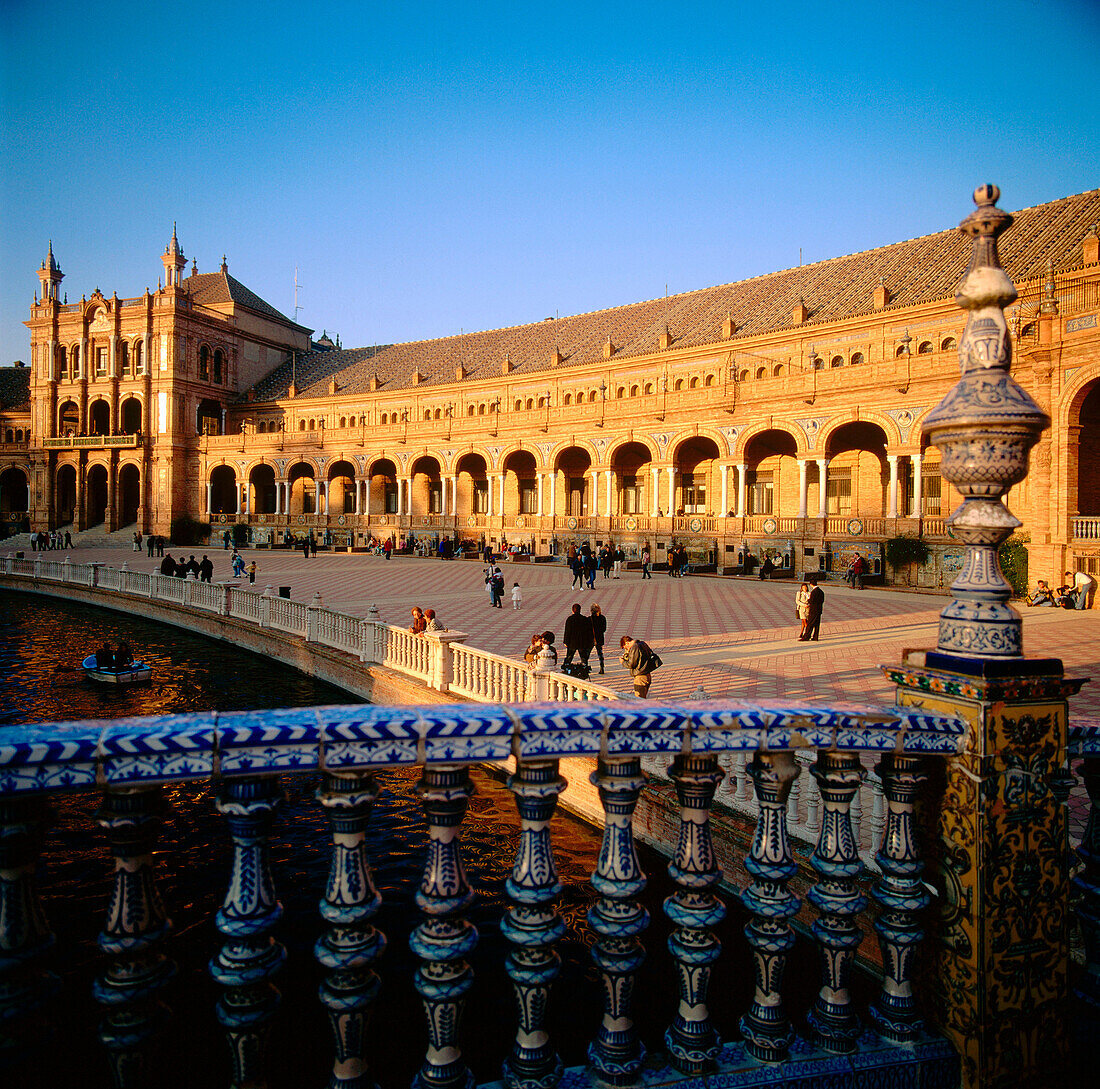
808 605
424 620
42 541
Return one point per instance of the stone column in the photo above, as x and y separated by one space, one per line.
725 490
594 499
656 503
553 492
822 479
803 487
500 498
892 502
237 506
742 475
209 499
278 497
671 470
918 484
538 509
317 497
489 485
607 477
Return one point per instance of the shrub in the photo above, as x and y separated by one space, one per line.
1013 557
188 531
904 551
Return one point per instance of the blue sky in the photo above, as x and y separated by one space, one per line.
431 167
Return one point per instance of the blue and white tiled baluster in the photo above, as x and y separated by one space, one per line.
444 939
532 924
618 920
1087 885
837 896
350 946
693 910
133 935
24 935
766 1027
902 896
250 955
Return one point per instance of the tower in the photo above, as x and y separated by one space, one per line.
50 276
173 261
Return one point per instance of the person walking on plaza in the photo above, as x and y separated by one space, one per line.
578 636
620 555
640 659
496 585
252 573
576 565
590 566
802 608
150 544
517 596
646 573
813 617
599 630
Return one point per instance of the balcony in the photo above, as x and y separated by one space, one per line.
92 442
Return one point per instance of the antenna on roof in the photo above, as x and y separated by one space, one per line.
296 286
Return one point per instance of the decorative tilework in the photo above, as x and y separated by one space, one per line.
171 747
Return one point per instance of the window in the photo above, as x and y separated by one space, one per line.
948 345
139 360
74 362
481 497
591 395
481 410
101 362
530 403
693 493
924 348
857 359
679 384
648 388
743 376
694 383
219 361
528 497
123 358
633 391
389 497
838 491
204 363
631 491
568 399
620 393
762 372
427 414
709 380
301 425
837 361
930 487
760 492
435 497
519 406
469 410
777 370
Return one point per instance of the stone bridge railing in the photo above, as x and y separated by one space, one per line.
244 756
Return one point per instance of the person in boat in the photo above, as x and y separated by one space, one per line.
103 657
123 656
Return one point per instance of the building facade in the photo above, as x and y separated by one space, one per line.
779 415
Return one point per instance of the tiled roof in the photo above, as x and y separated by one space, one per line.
211 288
917 271
15 388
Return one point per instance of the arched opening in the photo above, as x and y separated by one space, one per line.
857 359
303 489
223 490
341 488
68 419
631 465
100 418
383 487
924 347
1085 417
208 418
138 358
130 411
426 494
14 492
129 494
204 363
573 497
520 483
771 474
837 361
472 485
262 486
95 495
218 370
65 495
857 480
694 462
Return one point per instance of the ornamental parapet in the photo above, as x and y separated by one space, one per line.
91 442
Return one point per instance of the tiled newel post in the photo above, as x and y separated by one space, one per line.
999 954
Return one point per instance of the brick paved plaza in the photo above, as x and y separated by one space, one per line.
735 637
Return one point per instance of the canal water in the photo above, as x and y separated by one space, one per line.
42 642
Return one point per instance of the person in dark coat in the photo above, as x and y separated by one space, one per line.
578 636
168 565
813 619
206 568
599 631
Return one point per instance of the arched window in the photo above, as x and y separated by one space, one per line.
301 425
74 362
123 357
481 410
439 414
837 361
633 391
427 414
530 403
648 388
542 402
620 393
948 345
679 384
857 359
568 399
219 366
743 376
694 383
924 348
204 363
591 395
260 427
709 380
900 351
469 410
313 425
762 372
9 435
519 406
139 359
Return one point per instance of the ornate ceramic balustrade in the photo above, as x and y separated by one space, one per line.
243 756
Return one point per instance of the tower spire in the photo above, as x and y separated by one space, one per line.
50 275
173 260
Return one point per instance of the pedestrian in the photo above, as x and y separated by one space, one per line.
813 616
620 555
498 588
150 544
137 540
606 561
646 573
590 570
802 609
418 621
431 622
673 562
576 564
517 596
252 573
599 630
859 568
206 569
305 548
68 539
578 637
168 565
160 545
640 659
387 548
1083 586
766 569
